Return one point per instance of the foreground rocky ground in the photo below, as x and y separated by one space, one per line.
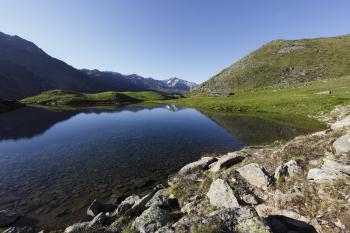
299 186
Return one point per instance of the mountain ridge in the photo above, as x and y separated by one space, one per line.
27 70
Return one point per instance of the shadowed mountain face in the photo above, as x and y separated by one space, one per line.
26 70
135 82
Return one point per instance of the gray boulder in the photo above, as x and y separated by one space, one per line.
99 220
242 219
95 208
290 168
7 217
342 144
256 175
221 195
77 228
342 123
322 175
340 166
127 204
140 205
151 220
227 160
201 164
165 229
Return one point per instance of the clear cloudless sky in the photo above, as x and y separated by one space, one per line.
189 39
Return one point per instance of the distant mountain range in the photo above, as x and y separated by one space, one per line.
135 82
281 63
26 70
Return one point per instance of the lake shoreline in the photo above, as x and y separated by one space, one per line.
197 196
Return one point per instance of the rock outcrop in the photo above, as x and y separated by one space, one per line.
201 164
256 175
221 195
227 161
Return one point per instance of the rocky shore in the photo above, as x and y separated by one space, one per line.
299 186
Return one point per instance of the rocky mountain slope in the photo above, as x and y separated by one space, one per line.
283 62
26 70
301 186
135 82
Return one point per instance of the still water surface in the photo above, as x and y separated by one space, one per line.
54 164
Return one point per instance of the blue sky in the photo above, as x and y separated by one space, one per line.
189 39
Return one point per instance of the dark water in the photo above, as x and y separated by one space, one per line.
53 164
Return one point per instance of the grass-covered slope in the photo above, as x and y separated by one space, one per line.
6 105
284 62
70 98
298 99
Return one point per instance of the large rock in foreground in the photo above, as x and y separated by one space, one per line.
256 175
221 195
227 160
242 219
201 164
7 217
152 219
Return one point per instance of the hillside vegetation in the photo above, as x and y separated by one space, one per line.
304 99
281 63
70 98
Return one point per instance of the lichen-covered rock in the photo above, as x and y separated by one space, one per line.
77 228
95 208
7 217
339 166
291 168
221 195
242 219
322 175
127 203
201 164
256 175
165 229
342 123
152 219
342 144
99 220
227 160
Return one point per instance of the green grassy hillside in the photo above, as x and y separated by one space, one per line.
70 98
298 99
281 63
